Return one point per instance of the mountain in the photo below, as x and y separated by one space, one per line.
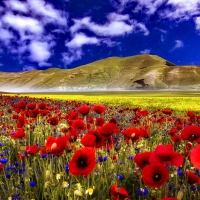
144 71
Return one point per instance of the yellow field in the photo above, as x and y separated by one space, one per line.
165 100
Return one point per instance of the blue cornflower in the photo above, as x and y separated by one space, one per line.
3 160
32 183
120 177
143 192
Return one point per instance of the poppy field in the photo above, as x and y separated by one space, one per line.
73 149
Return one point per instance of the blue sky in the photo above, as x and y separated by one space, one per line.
38 34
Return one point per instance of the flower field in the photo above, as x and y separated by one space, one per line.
66 149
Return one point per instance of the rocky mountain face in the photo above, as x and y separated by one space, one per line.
142 72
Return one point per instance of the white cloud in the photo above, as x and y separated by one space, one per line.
145 51
71 56
16 5
178 44
81 39
5 34
40 51
28 68
21 23
46 10
117 25
197 23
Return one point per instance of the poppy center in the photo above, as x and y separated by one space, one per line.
145 163
81 162
157 177
193 136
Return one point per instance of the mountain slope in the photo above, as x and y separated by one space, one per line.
134 72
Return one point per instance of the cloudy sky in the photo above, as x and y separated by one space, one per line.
39 34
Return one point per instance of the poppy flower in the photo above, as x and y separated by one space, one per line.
31 106
21 105
172 132
56 146
99 108
192 178
32 149
195 157
142 113
142 159
53 121
84 110
132 133
155 175
78 124
18 134
83 162
99 121
176 139
42 106
107 129
167 112
93 139
169 198
118 193
165 154
191 133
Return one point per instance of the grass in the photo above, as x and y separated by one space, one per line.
176 100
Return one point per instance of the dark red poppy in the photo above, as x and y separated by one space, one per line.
32 149
118 193
42 106
191 133
167 112
21 105
107 129
56 146
78 124
144 133
169 198
155 175
1 167
84 110
53 121
142 159
192 178
83 162
142 113
113 120
99 121
99 109
172 132
176 139
165 154
31 106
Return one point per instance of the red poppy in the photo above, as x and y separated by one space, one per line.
31 106
99 109
142 159
167 112
142 113
169 198
93 139
107 129
155 175
191 133
53 121
56 146
192 178
84 110
42 106
132 133
172 132
165 154
144 133
78 124
83 162
176 139
32 149
113 120
1 167
21 104
119 193
18 134
195 156
99 121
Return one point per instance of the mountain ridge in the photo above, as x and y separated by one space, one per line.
140 72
